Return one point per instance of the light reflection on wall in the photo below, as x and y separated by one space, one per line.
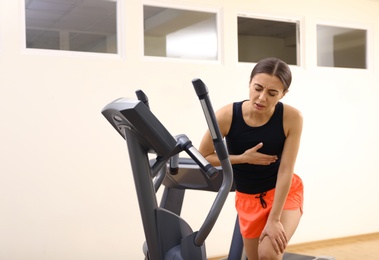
198 41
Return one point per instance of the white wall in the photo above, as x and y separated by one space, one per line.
66 190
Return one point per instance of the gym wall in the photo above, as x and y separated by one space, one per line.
66 188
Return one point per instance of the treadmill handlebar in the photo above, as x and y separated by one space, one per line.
223 155
202 92
210 171
142 97
200 88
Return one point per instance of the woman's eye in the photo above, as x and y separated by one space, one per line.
272 94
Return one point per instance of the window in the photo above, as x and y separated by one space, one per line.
72 25
180 33
341 47
261 38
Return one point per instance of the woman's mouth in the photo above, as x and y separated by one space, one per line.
259 106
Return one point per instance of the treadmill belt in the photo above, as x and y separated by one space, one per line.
291 256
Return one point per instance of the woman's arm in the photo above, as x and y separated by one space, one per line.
224 119
293 125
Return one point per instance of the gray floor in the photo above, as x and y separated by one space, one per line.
291 256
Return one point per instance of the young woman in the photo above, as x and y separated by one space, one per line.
263 138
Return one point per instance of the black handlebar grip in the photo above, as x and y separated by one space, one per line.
200 88
211 171
142 97
202 92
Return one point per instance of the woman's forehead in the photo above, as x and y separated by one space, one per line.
266 80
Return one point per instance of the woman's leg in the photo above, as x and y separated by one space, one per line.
290 220
251 248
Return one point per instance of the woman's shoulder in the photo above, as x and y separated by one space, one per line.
225 111
224 117
291 113
292 118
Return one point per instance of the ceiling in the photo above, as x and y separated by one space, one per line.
76 15
92 17
266 28
160 21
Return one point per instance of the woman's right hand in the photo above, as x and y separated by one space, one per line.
252 156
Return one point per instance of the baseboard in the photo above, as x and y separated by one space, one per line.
340 240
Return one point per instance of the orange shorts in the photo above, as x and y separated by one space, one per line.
253 216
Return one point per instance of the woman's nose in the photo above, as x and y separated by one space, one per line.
262 95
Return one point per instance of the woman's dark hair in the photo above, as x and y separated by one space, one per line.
274 67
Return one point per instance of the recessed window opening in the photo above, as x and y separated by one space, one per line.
341 47
261 38
72 25
178 33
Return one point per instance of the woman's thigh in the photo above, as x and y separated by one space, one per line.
290 220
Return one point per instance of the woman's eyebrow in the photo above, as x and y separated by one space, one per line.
259 85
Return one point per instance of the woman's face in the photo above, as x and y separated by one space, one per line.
265 92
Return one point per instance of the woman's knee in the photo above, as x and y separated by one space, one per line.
269 256
251 248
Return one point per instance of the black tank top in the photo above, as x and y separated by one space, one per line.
251 178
